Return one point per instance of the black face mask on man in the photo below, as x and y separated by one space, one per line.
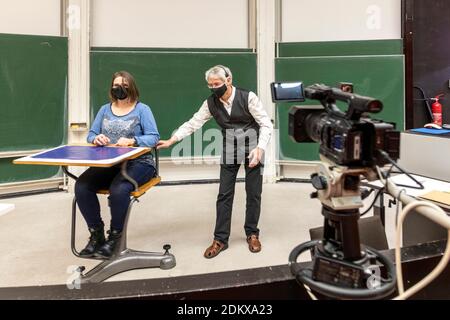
119 92
220 91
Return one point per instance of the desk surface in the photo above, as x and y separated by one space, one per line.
91 156
5 208
428 184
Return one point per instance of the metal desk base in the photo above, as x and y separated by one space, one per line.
128 260
123 259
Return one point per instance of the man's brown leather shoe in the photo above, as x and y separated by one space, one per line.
214 249
253 243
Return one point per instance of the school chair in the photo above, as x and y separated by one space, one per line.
124 259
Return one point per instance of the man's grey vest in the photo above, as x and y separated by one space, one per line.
240 130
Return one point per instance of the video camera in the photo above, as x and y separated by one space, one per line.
346 138
349 148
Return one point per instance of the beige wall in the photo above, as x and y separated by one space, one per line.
334 20
194 23
39 17
170 23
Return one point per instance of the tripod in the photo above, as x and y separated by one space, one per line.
341 267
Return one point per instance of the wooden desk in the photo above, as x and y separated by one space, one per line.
85 156
88 156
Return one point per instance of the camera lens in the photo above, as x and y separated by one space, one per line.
374 106
314 124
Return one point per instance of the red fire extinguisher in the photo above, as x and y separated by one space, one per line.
436 109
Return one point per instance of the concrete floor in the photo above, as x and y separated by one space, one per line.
35 237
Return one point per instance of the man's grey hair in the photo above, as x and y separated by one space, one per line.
218 71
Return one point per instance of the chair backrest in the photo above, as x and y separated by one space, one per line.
153 181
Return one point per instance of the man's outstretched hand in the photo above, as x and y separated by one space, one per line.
164 144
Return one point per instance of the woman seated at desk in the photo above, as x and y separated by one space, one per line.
125 121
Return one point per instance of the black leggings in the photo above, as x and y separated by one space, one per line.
94 179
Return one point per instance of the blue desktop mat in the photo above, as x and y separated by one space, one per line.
84 153
431 131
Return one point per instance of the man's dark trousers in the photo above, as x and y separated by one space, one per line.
224 205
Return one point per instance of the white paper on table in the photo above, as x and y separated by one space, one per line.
428 183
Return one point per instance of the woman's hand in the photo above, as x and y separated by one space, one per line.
125 142
101 140
164 144
255 157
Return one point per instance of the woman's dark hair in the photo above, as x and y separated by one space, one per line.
132 90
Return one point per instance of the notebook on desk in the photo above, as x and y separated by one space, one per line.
429 184
441 198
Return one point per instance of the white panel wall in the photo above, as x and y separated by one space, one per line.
170 23
38 17
334 20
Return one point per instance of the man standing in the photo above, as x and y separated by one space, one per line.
246 130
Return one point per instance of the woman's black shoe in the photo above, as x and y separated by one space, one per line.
107 249
96 240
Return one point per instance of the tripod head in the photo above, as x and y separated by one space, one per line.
338 186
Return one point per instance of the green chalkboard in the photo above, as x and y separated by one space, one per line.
172 83
340 48
33 87
381 77
33 91
10 172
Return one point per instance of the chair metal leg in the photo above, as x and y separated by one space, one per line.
123 259
73 232
123 240
73 229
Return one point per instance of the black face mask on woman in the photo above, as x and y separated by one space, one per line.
119 93
220 91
